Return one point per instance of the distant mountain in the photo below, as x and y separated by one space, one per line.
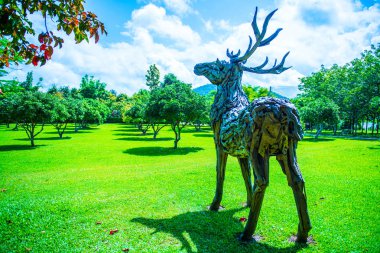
276 95
204 89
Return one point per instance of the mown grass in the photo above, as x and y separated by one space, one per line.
53 196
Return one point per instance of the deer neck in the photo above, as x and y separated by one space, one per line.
229 96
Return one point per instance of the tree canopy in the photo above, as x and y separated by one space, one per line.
353 90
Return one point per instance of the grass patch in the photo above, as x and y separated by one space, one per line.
66 195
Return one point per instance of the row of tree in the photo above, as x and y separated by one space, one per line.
171 102
343 97
31 109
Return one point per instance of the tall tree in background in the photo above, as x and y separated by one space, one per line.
28 83
92 88
16 28
153 77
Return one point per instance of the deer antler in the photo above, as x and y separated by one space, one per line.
260 41
276 69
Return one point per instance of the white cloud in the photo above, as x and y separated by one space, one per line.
179 6
155 20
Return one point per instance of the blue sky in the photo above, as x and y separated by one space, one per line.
177 34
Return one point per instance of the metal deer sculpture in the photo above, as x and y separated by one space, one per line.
253 132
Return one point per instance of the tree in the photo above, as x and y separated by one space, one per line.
175 103
32 111
92 111
201 110
153 77
7 108
92 88
7 88
255 92
353 87
136 111
170 79
28 83
153 111
60 114
321 112
16 28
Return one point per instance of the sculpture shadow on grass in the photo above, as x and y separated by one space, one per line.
210 232
5 148
144 139
161 151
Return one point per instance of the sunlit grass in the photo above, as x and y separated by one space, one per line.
53 195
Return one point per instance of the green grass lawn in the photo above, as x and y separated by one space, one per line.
66 195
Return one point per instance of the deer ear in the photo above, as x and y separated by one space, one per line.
219 63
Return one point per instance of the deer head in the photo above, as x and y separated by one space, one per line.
219 71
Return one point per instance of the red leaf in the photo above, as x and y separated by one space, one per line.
35 61
96 37
48 52
1 92
41 38
243 219
113 231
43 47
33 46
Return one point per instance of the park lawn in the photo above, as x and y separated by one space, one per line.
66 194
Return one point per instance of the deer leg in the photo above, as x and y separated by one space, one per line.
295 181
220 172
261 173
245 170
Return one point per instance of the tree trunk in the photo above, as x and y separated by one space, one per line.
361 126
177 131
366 126
319 130
32 141
373 125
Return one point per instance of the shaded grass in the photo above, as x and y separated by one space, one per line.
157 197
160 151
